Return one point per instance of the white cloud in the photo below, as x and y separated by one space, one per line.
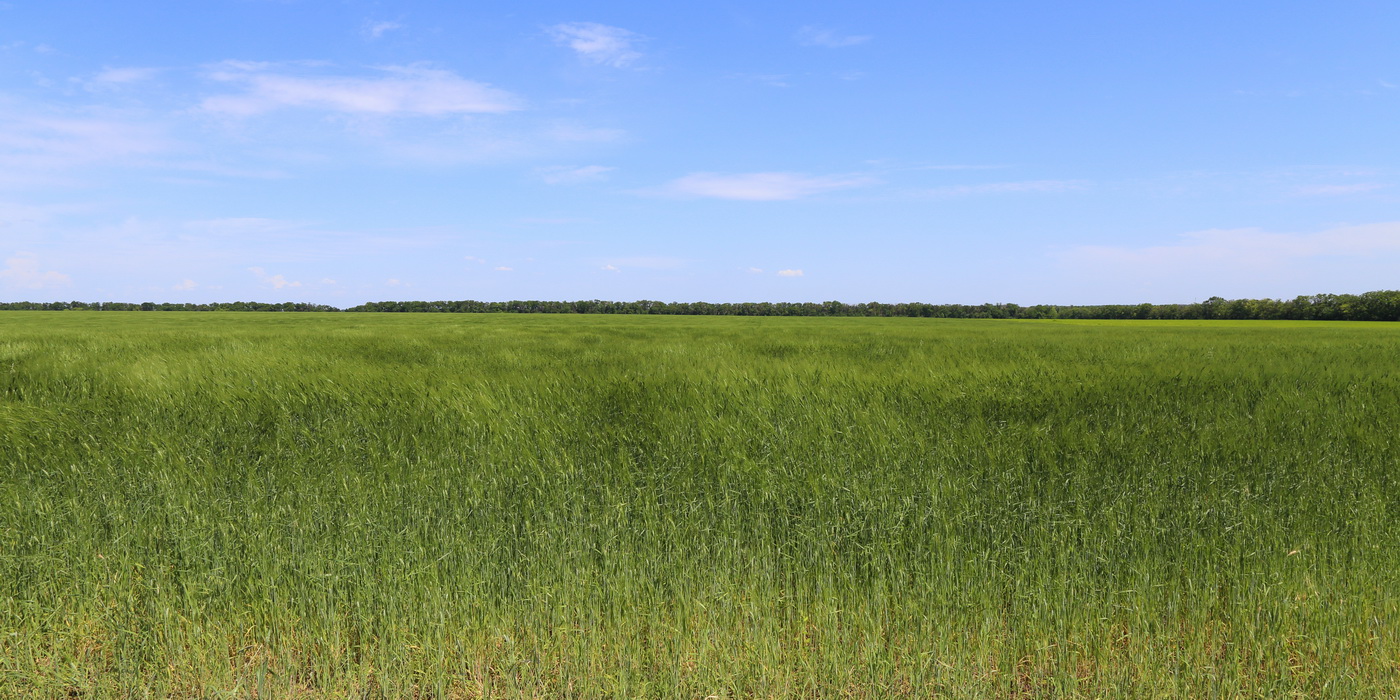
110 78
374 30
760 187
1247 248
789 273
816 36
23 215
611 268
650 262
1235 263
237 65
569 175
273 281
1009 187
1334 190
393 282
185 286
24 272
402 90
756 270
503 268
244 226
598 43
40 148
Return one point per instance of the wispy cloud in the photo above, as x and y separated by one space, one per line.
243 226
646 262
272 281
374 30
789 273
185 286
395 90
281 240
770 79
760 187
956 167
1009 187
899 164
598 43
571 175
1338 190
17 45
552 220
40 147
23 215
503 268
1243 248
817 36
1247 262
23 271
112 78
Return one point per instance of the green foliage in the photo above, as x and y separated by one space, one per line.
462 506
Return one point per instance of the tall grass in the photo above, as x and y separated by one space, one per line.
223 505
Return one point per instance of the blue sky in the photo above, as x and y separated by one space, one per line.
1003 151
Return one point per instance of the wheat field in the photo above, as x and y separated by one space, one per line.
208 505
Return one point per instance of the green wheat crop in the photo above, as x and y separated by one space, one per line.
461 506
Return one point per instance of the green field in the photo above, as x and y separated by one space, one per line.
432 505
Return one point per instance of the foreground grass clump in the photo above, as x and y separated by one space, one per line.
223 505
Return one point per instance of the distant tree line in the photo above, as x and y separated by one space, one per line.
1370 306
152 306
